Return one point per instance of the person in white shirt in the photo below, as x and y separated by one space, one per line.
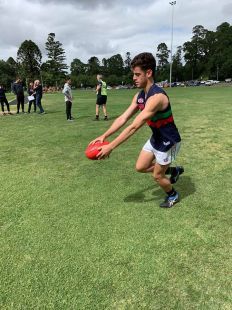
67 91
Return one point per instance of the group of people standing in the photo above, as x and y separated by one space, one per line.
35 92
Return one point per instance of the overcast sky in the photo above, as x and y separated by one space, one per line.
100 28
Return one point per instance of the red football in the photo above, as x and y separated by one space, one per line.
92 151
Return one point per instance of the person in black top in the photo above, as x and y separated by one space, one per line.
31 94
3 100
19 92
38 95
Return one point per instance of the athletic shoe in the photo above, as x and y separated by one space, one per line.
175 175
70 120
106 118
170 201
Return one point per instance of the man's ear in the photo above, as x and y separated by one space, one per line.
149 73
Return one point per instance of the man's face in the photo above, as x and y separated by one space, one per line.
141 77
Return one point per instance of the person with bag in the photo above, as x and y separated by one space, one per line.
38 89
31 97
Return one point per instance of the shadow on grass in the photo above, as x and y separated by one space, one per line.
185 187
55 112
139 196
110 118
92 118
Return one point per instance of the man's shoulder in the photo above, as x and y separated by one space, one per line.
157 91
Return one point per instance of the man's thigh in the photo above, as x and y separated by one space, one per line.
144 160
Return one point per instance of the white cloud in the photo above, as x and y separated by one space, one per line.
104 28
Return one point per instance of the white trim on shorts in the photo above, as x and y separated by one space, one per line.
163 158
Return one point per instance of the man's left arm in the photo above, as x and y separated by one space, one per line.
153 105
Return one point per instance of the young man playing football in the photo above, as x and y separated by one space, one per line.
159 150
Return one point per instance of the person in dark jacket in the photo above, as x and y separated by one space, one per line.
38 95
3 100
19 92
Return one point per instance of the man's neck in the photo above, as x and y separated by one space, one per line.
148 86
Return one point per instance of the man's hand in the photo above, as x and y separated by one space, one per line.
100 139
104 151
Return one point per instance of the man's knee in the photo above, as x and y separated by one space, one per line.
158 176
140 168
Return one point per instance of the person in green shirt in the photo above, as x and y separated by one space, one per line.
101 91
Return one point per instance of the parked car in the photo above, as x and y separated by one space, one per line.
228 80
173 84
190 83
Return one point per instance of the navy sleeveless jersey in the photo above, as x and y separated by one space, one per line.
164 131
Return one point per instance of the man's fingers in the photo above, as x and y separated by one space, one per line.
93 142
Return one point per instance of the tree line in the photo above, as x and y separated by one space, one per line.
208 55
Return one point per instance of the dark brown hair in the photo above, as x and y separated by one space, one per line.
145 61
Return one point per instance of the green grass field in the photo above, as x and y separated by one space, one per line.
81 234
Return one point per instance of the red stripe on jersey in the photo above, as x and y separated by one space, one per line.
161 122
